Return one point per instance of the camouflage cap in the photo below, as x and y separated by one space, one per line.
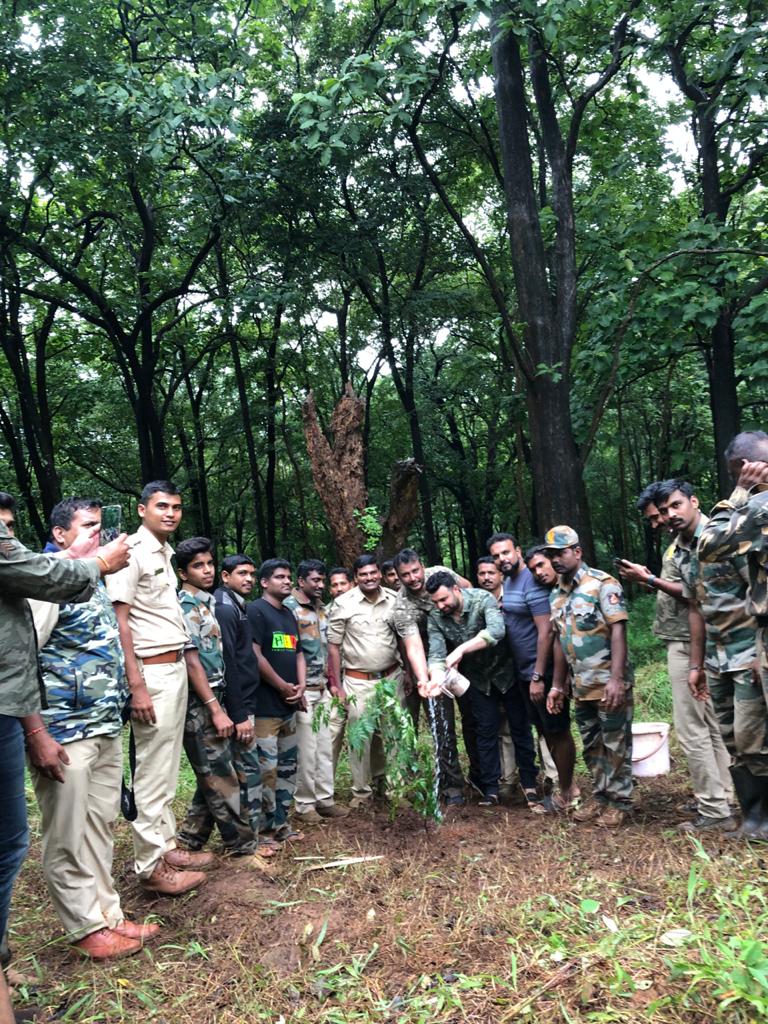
560 537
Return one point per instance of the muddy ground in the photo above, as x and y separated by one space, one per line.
484 911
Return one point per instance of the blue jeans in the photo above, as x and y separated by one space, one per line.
14 837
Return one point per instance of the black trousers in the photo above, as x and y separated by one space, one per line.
487 715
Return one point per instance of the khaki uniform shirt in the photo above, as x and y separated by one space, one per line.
365 630
671 619
148 585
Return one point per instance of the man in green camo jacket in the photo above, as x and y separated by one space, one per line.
738 526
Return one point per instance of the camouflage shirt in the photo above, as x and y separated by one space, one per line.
720 590
480 616
24 574
411 610
739 527
312 621
81 661
198 608
583 611
671 619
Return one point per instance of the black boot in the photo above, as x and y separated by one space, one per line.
752 794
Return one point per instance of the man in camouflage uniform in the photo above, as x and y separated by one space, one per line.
209 749
82 667
738 528
465 629
590 619
695 720
722 633
314 798
412 607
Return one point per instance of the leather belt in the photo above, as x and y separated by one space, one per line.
394 667
168 658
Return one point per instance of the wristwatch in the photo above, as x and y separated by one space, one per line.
651 582
536 677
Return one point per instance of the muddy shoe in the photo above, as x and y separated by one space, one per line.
588 811
181 859
704 824
332 811
106 944
310 817
167 882
611 817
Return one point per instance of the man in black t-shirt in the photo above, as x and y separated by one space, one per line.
241 673
280 695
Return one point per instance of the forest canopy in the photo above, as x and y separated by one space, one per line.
529 236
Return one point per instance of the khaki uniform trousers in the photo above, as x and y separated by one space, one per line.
338 729
700 738
368 768
158 755
314 778
77 843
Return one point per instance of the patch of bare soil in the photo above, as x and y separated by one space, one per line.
442 902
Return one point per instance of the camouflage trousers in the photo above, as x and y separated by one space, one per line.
216 800
739 704
607 740
278 758
248 768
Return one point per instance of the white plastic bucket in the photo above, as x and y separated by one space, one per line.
650 749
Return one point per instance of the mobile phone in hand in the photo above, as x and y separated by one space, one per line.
111 523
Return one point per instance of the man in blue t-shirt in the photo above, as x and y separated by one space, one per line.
525 605
279 696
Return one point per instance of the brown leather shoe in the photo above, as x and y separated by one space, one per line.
588 811
106 944
612 817
134 930
168 882
332 811
182 859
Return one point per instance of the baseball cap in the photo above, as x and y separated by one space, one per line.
560 537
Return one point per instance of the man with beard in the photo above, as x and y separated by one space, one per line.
525 605
412 608
465 628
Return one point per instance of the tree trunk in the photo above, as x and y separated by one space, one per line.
338 471
403 508
548 310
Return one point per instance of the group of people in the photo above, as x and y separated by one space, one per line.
259 691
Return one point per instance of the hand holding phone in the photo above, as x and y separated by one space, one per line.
111 524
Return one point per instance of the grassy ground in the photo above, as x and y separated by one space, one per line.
493 916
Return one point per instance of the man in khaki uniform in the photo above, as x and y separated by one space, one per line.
362 634
153 637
